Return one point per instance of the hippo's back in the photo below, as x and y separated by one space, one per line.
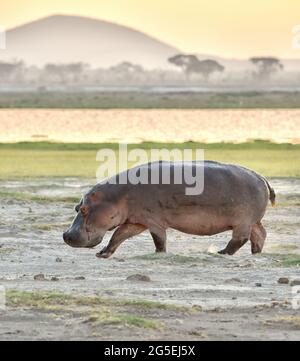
223 184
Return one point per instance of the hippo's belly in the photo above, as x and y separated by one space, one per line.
198 221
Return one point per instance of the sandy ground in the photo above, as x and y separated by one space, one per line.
238 297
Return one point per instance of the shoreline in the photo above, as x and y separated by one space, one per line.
149 100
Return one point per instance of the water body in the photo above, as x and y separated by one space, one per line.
149 125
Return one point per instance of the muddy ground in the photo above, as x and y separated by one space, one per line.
191 293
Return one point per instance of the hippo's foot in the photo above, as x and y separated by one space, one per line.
233 246
257 238
227 251
104 253
160 250
256 248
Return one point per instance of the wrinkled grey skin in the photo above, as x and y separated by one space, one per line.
234 198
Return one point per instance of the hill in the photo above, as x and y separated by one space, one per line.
68 39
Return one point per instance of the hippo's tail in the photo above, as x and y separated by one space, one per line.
272 194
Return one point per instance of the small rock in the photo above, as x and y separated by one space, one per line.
79 278
58 259
258 284
283 280
295 283
233 280
39 277
138 277
54 278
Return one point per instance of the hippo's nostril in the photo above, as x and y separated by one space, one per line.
66 237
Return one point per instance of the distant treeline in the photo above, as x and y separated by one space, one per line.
187 69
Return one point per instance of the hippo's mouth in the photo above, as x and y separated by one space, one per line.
94 239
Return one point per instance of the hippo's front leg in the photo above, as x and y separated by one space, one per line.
159 241
124 232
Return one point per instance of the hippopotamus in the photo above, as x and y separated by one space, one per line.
233 198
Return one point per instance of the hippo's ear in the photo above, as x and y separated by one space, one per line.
77 208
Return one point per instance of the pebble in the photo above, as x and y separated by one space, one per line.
78 278
233 280
138 277
39 277
283 280
58 259
54 279
258 284
295 283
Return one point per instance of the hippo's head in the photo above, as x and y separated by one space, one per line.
95 216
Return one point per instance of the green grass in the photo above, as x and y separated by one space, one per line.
282 259
98 310
292 261
36 198
46 299
293 321
170 258
44 159
143 100
106 318
4 251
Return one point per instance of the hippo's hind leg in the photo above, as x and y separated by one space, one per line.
124 232
160 241
240 235
257 237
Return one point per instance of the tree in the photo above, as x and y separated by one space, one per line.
127 71
76 71
65 73
185 62
11 71
206 68
191 64
266 66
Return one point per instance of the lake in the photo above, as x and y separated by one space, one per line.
132 126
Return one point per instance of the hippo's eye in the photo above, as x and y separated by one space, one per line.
114 216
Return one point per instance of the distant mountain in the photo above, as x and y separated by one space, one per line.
69 39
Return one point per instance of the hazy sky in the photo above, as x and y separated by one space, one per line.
232 28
